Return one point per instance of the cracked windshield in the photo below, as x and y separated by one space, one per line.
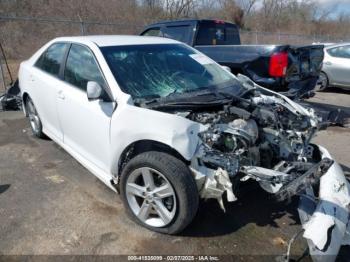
163 69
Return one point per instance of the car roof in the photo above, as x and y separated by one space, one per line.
116 40
188 20
337 45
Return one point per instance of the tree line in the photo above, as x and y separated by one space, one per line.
286 16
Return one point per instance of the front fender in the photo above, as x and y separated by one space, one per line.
131 124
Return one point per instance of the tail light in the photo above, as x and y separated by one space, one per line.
278 64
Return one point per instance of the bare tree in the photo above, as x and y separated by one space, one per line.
179 8
151 10
304 17
246 6
232 12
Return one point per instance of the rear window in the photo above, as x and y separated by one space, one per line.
179 33
217 33
341 51
50 61
152 32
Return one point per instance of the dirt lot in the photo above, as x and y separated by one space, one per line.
50 204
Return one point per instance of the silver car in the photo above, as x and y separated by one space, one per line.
336 67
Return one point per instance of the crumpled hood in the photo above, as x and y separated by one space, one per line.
209 98
270 97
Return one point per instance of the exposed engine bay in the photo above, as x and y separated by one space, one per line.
263 136
267 139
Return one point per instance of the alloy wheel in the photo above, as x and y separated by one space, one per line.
33 116
151 197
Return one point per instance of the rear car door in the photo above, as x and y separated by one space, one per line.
85 124
45 83
338 65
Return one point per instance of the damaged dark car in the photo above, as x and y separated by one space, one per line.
290 70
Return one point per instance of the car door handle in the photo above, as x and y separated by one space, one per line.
61 95
328 63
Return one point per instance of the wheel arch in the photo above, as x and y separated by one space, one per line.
327 75
324 72
25 96
327 81
142 146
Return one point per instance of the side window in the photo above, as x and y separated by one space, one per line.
179 33
152 32
50 61
332 51
341 51
81 67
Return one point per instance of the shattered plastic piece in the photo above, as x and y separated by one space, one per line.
225 182
317 229
328 227
216 184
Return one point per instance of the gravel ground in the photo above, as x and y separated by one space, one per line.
50 204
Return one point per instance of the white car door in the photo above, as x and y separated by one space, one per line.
45 83
85 124
338 65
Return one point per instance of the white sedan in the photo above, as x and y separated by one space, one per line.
165 125
336 67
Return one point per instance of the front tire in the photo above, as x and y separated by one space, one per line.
34 119
159 192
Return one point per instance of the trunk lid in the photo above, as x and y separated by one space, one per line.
304 62
304 67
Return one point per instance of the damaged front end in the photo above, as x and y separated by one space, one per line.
257 134
266 137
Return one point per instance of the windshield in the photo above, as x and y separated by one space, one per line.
163 69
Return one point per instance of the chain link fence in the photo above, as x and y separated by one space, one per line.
21 36
264 38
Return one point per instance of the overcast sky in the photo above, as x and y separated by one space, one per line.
336 6
341 6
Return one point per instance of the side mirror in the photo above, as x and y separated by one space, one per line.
226 68
93 90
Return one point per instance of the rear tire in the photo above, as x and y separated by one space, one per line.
322 83
139 193
34 119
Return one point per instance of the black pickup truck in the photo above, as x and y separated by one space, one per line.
293 70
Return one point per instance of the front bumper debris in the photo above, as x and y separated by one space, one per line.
308 179
213 184
326 219
324 207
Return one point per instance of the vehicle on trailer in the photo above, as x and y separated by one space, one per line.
166 126
291 70
336 67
